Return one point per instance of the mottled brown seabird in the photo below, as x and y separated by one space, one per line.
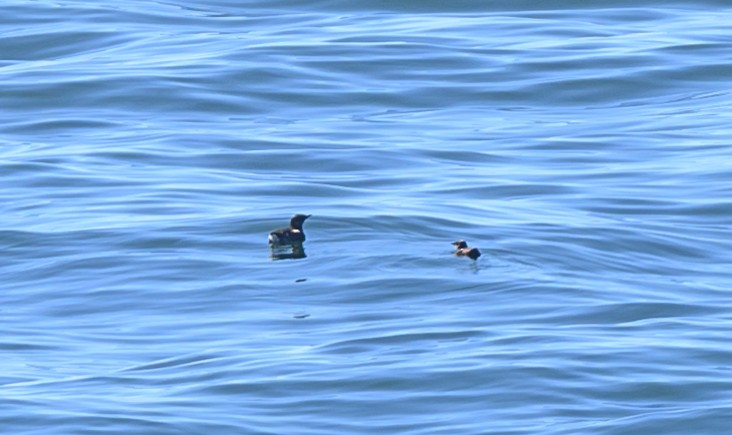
464 251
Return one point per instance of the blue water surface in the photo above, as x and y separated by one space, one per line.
148 147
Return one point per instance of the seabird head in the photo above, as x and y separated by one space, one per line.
297 220
460 244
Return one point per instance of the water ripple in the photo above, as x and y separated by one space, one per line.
148 148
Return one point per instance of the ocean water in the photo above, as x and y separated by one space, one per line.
148 147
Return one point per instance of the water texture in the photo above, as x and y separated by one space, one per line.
147 148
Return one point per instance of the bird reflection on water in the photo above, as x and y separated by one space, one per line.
287 252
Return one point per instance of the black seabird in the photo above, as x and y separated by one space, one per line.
291 234
464 251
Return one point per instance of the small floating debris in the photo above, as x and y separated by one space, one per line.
301 280
301 316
